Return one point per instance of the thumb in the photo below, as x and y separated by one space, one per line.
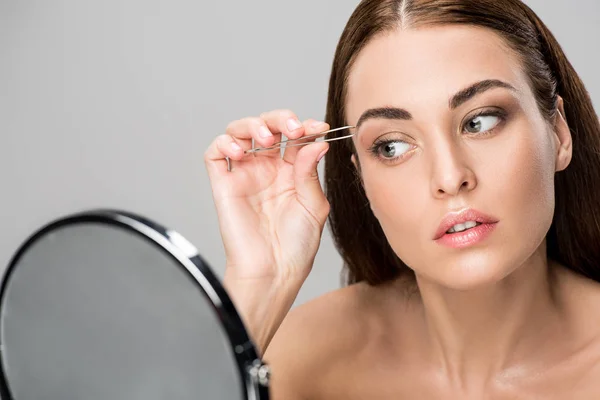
306 179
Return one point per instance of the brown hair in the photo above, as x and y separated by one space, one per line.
574 236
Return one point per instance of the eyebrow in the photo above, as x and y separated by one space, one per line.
456 101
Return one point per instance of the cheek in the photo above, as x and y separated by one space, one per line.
523 183
398 195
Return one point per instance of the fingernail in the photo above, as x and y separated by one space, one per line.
236 147
264 132
293 124
317 124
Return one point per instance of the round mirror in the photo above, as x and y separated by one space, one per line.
108 305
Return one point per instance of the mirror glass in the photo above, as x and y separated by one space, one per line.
94 311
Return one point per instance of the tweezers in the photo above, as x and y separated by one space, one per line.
294 142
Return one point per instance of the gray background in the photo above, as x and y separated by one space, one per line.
112 103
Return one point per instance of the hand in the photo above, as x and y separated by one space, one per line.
271 209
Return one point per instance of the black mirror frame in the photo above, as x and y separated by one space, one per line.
254 374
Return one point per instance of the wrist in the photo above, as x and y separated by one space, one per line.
262 304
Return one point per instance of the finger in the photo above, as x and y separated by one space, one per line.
283 121
252 128
311 127
306 179
222 147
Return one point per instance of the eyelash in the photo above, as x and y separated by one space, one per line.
500 114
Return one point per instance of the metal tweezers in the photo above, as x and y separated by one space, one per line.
302 141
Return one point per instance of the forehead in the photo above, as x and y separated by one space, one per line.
426 66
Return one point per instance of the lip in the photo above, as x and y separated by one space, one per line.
461 217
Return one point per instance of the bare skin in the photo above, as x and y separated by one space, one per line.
365 342
495 320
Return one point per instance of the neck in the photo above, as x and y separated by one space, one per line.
474 335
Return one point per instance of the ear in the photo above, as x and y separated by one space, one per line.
356 162
563 139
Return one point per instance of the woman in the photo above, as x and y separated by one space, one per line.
466 208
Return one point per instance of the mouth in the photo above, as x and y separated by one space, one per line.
458 228
464 223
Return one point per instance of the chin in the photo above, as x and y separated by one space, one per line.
468 272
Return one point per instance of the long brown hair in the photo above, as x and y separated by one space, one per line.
574 236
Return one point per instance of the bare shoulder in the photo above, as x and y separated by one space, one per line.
314 337
324 344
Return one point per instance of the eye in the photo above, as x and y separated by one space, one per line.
482 123
390 149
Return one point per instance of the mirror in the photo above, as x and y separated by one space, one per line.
109 305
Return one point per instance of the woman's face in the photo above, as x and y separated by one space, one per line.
449 123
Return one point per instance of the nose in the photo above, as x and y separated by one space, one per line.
451 172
